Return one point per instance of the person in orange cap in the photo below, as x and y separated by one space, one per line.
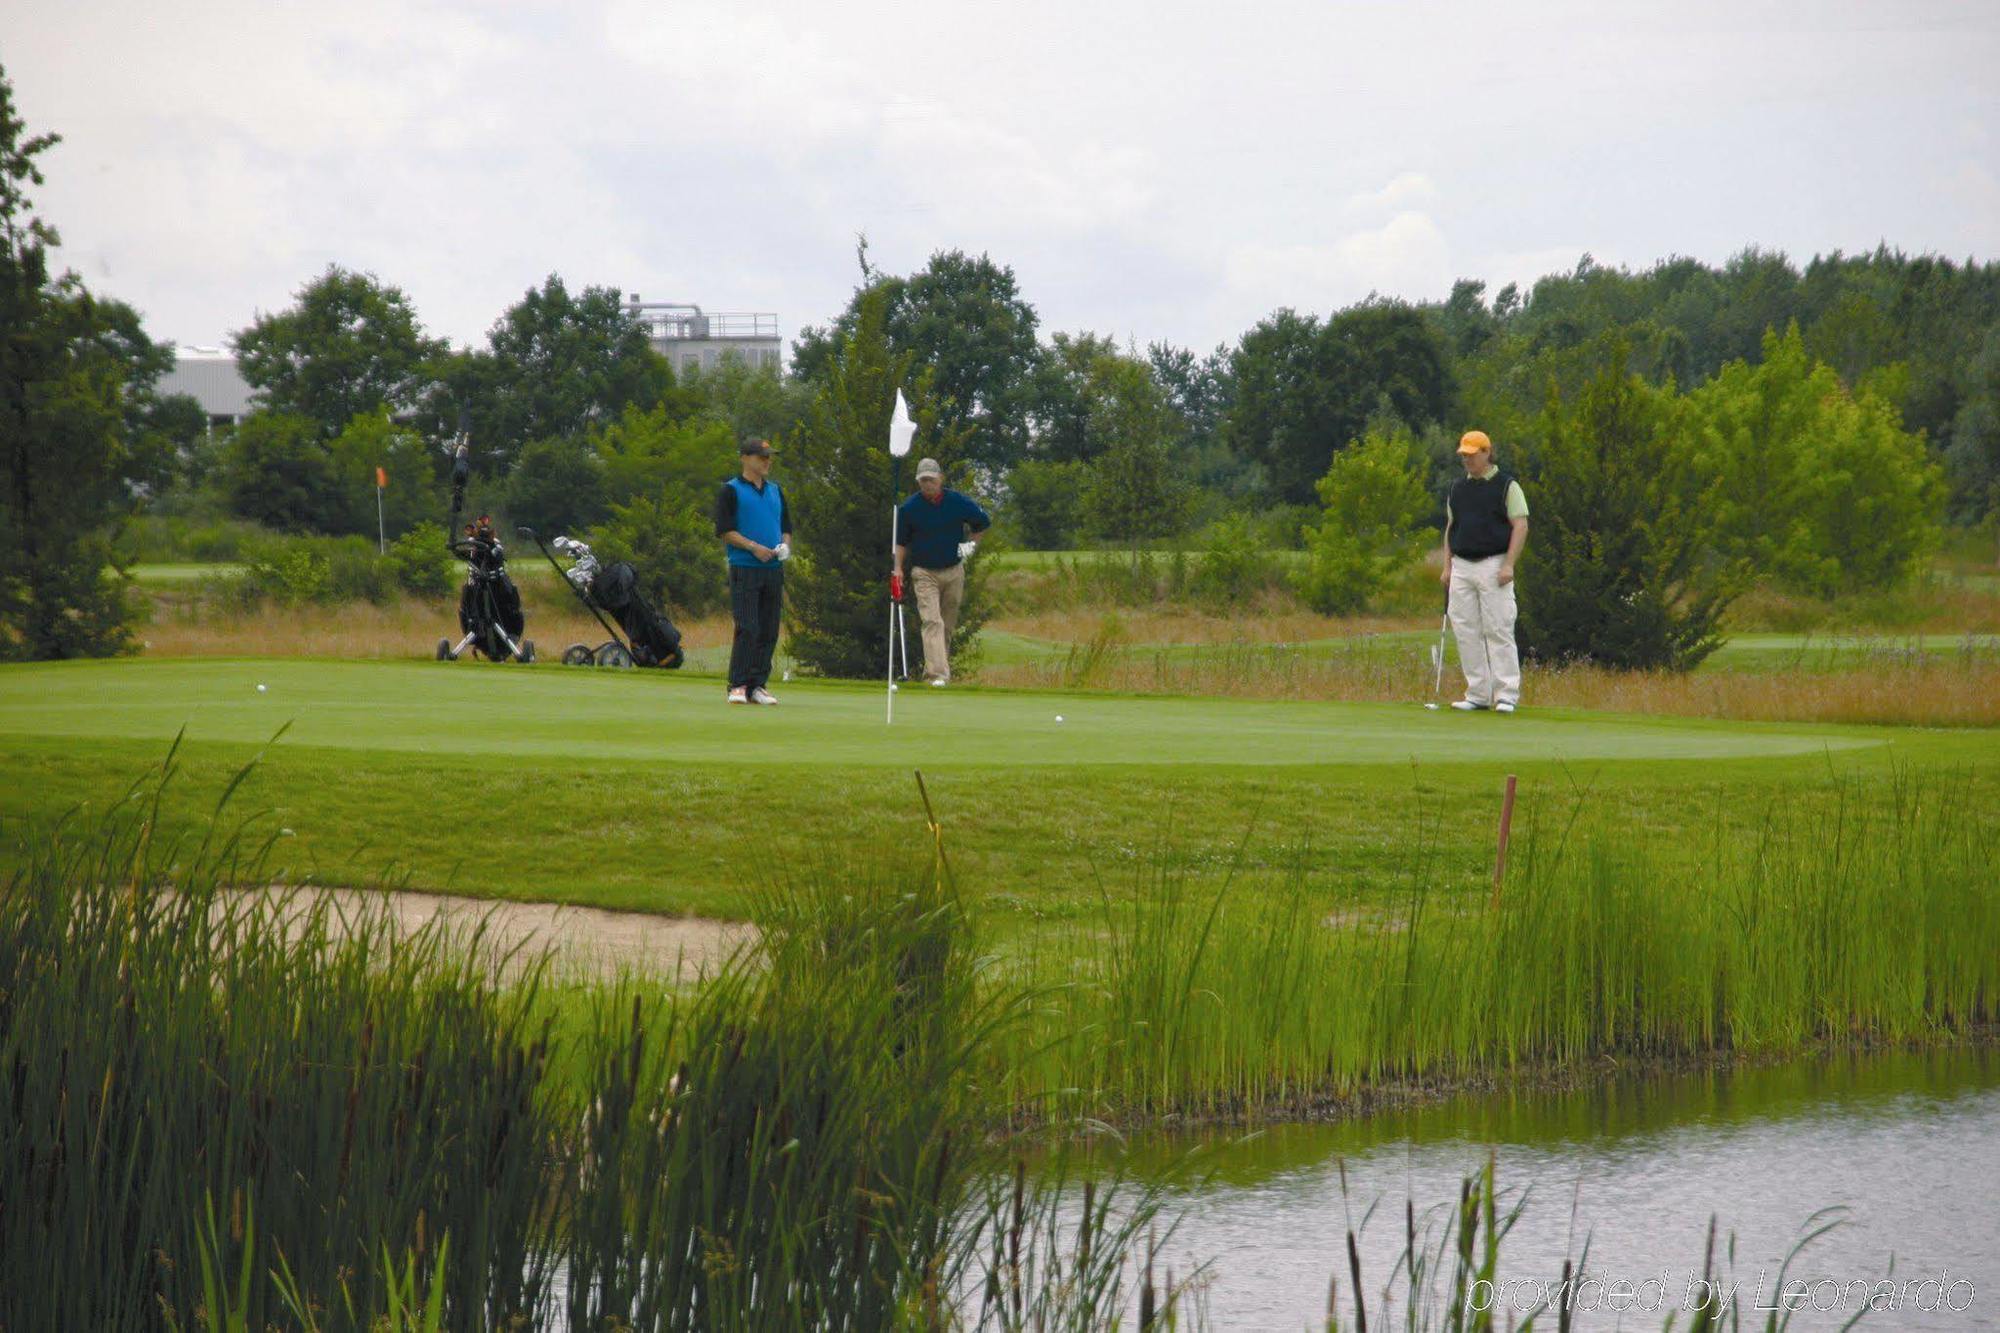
1485 526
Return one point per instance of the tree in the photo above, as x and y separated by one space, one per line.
1373 526
558 486
349 345
1044 510
1059 398
752 401
555 366
278 472
1821 491
648 454
69 368
1974 451
1134 493
1305 389
670 540
1199 390
842 482
415 496
963 320
1620 566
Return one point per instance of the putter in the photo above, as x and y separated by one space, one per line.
1437 660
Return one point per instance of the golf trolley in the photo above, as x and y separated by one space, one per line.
489 605
649 638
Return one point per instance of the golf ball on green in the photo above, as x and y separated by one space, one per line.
260 688
1058 717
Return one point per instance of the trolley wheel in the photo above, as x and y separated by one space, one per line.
613 654
527 651
444 650
579 654
674 660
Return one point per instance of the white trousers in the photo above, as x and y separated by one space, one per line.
1482 620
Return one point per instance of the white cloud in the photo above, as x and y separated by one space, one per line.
1410 192
1168 170
1406 256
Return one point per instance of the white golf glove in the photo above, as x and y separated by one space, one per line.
783 550
965 550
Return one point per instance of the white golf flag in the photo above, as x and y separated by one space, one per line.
902 430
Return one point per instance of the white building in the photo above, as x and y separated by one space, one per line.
692 338
209 376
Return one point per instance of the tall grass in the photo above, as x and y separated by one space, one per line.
1959 687
328 1088
230 1111
1840 920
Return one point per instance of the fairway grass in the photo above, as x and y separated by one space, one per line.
644 791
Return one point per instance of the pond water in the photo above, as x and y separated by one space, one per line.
1906 1146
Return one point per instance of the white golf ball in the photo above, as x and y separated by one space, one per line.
1058 717
260 688
892 687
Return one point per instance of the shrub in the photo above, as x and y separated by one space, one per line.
1234 562
1620 568
1823 491
420 564
671 543
1372 528
294 571
1045 504
558 486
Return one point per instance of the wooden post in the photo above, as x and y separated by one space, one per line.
1506 826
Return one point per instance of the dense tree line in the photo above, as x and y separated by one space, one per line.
1809 427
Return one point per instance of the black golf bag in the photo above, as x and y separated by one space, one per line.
489 605
649 637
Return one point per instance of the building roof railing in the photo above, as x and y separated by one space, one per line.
667 321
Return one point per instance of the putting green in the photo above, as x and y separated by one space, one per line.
551 711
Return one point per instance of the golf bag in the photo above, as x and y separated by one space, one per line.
649 637
489 605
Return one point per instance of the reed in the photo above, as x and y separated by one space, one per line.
237 1110
1840 920
332 1086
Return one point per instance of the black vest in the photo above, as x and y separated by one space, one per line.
1479 526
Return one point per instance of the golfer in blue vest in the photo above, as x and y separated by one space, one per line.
756 531
936 529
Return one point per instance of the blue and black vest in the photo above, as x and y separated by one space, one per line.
759 516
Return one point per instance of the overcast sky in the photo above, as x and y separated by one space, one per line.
1159 170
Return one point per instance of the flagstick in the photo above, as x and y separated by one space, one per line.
895 513
902 431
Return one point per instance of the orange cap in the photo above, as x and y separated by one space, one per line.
1473 441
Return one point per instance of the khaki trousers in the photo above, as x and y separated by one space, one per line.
1482 620
939 592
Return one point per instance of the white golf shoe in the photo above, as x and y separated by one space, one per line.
1467 706
760 695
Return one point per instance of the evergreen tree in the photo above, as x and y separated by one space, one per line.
68 460
840 479
1619 567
